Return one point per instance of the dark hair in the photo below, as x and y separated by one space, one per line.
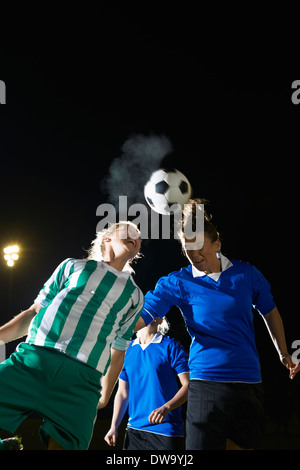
189 211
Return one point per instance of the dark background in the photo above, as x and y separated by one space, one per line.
79 86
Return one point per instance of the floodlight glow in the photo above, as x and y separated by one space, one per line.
11 254
11 249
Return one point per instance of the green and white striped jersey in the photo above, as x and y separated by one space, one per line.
87 307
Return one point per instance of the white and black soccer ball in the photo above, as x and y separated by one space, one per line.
166 188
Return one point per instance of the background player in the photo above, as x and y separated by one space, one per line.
148 384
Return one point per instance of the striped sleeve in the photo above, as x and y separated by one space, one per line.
125 332
54 283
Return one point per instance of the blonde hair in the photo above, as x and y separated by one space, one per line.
97 249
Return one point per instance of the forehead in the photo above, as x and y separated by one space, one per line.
124 230
197 242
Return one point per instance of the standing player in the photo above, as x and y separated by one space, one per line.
148 383
215 296
78 330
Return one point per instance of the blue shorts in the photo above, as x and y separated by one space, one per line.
62 390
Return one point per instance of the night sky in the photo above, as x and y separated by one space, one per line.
76 90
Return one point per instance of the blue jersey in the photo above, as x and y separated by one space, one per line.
151 373
219 318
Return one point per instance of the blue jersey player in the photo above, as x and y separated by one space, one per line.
148 386
216 296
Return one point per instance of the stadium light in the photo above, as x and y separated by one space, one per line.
11 255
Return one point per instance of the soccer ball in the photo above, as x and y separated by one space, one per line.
165 189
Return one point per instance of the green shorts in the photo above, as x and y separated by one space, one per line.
62 390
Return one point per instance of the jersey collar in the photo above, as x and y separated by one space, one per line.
225 264
156 339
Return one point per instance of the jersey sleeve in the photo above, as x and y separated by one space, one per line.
125 332
178 358
160 300
123 374
262 298
54 283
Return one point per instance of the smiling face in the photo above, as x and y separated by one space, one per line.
205 259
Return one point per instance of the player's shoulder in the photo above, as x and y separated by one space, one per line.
244 269
78 263
137 288
240 265
181 273
171 342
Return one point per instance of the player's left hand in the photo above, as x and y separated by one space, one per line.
157 416
287 361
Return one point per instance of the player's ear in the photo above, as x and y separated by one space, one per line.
218 245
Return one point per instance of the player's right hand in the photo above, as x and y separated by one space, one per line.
111 437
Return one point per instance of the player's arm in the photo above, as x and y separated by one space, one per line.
158 415
18 326
159 301
276 329
139 325
108 382
120 406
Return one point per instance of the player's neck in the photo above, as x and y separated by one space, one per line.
145 337
116 264
214 267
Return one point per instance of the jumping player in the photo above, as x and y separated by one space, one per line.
215 296
78 328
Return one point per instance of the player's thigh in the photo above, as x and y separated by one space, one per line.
53 445
19 391
70 406
206 423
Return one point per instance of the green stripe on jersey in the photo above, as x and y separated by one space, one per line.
67 304
89 312
109 323
50 289
90 306
55 286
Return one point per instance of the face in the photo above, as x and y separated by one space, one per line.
154 324
205 258
152 327
125 242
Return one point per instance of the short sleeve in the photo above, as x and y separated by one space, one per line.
178 358
123 375
160 300
54 283
262 298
